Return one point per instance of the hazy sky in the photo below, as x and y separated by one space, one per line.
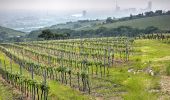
80 4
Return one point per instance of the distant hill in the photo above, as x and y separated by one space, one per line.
81 24
162 22
10 35
11 32
77 25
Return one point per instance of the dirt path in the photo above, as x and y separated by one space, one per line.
165 84
165 87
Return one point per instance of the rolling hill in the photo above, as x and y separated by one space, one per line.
162 22
11 32
77 25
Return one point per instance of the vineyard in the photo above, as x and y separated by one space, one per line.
78 69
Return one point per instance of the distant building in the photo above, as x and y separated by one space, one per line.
117 8
130 10
123 12
84 13
149 6
118 12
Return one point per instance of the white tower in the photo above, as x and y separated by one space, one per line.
117 7
150 5
84 13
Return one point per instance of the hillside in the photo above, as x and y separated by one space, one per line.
77 25
162 22
11 32
89 28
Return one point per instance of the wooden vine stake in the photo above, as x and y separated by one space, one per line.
11 64
32 76
45 82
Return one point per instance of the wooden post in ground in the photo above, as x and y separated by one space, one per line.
32 76
45 82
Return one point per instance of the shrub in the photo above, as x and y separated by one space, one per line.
168 70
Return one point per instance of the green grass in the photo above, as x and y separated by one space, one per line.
5 92
153 51
137 87
162 22
130 86
148 53
168 70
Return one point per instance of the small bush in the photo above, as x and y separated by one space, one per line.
168 70
138 60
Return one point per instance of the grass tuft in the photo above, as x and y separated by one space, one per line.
168 70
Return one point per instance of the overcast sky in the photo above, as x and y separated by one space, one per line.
62 5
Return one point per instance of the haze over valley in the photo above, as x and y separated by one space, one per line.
32 15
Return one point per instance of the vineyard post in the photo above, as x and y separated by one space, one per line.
127 53
112 57
22 83
62 72
5 68
38 60
23 54
32 72
48 64
69 60
45 81
0 63
108 60
117 51
11 64
88 84
78 79
32 76
20 68
105 55
86 65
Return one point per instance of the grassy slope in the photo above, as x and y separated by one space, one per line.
162 22
148 53
71 25
34 34
154 54
11 32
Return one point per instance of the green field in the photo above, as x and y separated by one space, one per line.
126 80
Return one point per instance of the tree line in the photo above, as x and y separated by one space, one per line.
141 15
48 35
100 32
